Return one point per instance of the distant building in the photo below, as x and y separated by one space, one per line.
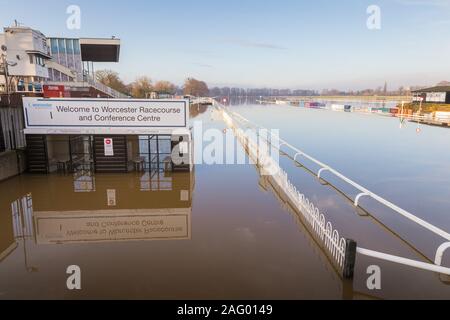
32 64
73 59
438 94
35 60
26 52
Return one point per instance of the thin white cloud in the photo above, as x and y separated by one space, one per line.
260 45
435 3
203 65
441 22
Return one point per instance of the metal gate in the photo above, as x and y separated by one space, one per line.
154 150
81 153
12 125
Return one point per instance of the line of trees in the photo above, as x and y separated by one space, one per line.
259 92
143 87
367 92
194 87
379 91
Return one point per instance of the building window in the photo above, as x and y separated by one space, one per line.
37 87
69 46
62 46
35 59
54 46
76 46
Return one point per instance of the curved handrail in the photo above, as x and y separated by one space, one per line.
364 191
440 253
437 267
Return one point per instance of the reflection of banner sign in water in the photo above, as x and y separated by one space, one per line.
112 225
103 115
109 149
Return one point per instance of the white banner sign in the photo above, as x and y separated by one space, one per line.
104 115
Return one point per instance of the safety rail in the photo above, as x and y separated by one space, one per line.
425 119
411 117
201 100
104 88
342 251
364 192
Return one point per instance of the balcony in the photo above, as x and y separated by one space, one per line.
36 88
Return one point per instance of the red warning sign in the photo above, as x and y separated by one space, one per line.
109 149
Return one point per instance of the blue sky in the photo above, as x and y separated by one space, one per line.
297 44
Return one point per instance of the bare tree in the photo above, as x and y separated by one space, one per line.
111 79
164 87
195 87
142 87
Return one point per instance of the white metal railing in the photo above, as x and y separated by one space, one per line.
89 81
424 118
404 261
201 100
104 88
329 237
364 192
24 87
415 117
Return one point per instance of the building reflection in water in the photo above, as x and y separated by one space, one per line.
84 208
83 181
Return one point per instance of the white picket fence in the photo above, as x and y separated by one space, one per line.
336 245
323 230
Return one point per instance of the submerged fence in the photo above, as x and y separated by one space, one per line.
341 251
317 221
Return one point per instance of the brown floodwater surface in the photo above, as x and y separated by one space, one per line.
219 232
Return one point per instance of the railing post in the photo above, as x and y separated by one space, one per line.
349 259
319 174
440 253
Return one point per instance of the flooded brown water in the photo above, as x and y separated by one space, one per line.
220 232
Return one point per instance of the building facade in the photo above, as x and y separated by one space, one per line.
437 94
34 65
65 53
39 71
24 54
